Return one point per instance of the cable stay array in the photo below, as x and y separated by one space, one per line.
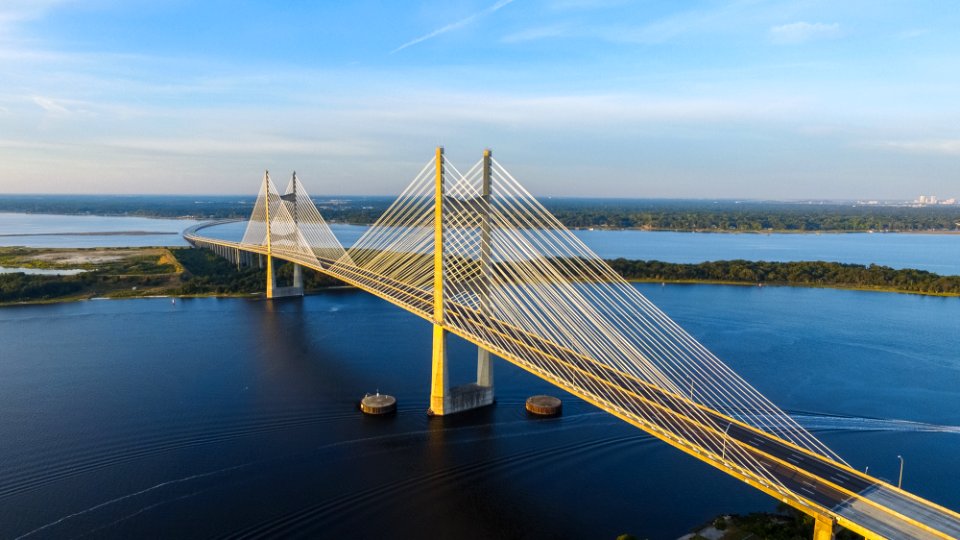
509 277
518 281
295 229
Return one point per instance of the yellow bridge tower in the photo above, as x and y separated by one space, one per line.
445 400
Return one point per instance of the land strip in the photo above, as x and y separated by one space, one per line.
602 214
132 272
798 274
786 524
157 271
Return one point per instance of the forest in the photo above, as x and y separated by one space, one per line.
169 272
199 272
807 273
752 216
647 214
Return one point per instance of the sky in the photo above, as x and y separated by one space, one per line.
601 98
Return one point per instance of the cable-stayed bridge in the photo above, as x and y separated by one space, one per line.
477 256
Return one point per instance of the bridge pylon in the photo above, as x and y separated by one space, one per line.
289 200
823 528
271 279
484 366
537 297
444 399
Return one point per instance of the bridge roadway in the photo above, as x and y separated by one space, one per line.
814 483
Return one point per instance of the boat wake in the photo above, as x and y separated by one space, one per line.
821 422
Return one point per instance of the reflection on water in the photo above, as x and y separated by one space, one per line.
142 418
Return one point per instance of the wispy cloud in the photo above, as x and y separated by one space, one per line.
949 147
584 4
14 11
533 34
51 106
454 25
726 18
800 32
246 145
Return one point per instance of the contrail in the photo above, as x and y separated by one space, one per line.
453 26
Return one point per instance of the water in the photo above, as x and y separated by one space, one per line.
939 253
143 418
42 271
48 230
233 231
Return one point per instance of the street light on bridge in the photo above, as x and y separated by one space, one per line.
900 481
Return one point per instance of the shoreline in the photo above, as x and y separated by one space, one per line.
260 295
840 287
572 228
187 273
89 233
948 232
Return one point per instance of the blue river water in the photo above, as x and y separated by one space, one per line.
206 417
51 230
216 417
938 253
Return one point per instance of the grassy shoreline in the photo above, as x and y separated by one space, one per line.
192 273
84 298
773 231
838 286
813 274
112 273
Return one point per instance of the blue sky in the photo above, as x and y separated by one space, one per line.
753 99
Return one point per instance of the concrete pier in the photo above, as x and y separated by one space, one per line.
296 289
544 405
465 398
378 404
298 277
445 399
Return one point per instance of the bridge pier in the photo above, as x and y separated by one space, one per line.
484 366
444 399
296 289
272 290
298 277
271 279
823 528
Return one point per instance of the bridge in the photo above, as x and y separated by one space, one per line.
477 256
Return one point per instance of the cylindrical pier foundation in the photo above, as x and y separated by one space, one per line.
378 404
544 405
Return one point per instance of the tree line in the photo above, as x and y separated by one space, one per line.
754 216
652 214
807 273
206 273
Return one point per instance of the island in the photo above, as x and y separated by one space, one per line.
157 271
